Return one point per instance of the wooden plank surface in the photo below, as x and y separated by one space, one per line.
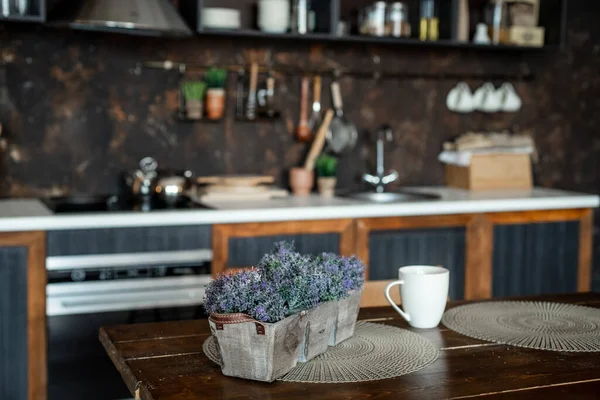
586 236
165 361
478 267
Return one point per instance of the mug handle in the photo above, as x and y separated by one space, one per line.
389 299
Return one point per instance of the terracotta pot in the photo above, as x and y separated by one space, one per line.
193 109
215 103
326 186
301 181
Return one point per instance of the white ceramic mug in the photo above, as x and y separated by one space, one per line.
274 15
511 102
487 99
460 99
424 293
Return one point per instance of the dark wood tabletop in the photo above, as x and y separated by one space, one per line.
164 361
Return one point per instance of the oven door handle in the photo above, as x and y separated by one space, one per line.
99 261
119 302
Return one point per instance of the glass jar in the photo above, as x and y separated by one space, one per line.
397 24
378 18
496 14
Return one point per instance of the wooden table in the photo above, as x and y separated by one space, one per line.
164 361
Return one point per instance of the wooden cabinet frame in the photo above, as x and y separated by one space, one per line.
479 244
222 233
35 242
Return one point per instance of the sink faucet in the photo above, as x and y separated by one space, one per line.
380 180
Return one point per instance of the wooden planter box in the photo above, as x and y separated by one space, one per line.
261 351
347 313
319 329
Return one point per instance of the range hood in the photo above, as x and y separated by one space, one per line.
138 17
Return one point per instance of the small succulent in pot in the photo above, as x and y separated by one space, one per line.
326 166
193 92
215 99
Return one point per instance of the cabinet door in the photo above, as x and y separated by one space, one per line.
13 323
128 240
247 251
533 259
390 250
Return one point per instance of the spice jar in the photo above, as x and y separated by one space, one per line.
377 19
397 24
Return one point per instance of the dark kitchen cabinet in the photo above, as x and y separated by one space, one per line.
531 259
128 240
247 251
392 249
22 316
243 245
13 322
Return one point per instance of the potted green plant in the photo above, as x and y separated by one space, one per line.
215 96
310 301
326 166
193 92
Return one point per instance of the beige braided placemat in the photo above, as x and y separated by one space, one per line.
374 352
536 325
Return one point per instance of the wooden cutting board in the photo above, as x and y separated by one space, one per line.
239 197
217 189
235 180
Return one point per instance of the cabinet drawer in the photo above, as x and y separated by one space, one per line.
535 259
390 250
128 240
247 251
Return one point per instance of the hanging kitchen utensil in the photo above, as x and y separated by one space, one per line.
342 134
319 142
315 118
303 132
240 99
251 106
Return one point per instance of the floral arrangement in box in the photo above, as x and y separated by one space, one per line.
285 282
310 301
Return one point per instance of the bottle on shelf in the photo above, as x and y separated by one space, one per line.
429 23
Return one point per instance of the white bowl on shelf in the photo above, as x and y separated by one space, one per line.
274 15
221 18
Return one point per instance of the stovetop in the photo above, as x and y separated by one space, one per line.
111 203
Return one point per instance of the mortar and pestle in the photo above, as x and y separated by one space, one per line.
302 179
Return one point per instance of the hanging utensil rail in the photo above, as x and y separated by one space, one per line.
525 74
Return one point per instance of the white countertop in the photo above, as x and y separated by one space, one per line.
27 215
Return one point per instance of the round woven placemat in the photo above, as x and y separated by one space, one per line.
374 352
535 325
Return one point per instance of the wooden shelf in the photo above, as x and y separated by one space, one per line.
22 18
374 40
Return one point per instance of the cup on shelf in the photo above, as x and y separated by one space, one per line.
274 15
424 293
487 98
511 102
460 99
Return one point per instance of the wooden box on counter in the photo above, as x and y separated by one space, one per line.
492 171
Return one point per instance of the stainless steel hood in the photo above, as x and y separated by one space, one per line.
141 17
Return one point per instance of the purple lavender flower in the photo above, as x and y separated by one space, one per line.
285 282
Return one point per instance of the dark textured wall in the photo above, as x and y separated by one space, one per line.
76 114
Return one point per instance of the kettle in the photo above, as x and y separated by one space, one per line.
142 182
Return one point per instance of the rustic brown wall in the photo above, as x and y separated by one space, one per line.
77 114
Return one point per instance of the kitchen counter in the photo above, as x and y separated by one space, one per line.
29 215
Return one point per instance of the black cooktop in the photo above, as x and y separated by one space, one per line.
110 203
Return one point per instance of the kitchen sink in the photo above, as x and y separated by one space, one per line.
390 197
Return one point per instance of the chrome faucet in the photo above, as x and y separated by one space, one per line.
384 134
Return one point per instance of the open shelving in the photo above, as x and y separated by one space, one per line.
552 16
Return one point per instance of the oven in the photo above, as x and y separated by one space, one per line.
87 292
